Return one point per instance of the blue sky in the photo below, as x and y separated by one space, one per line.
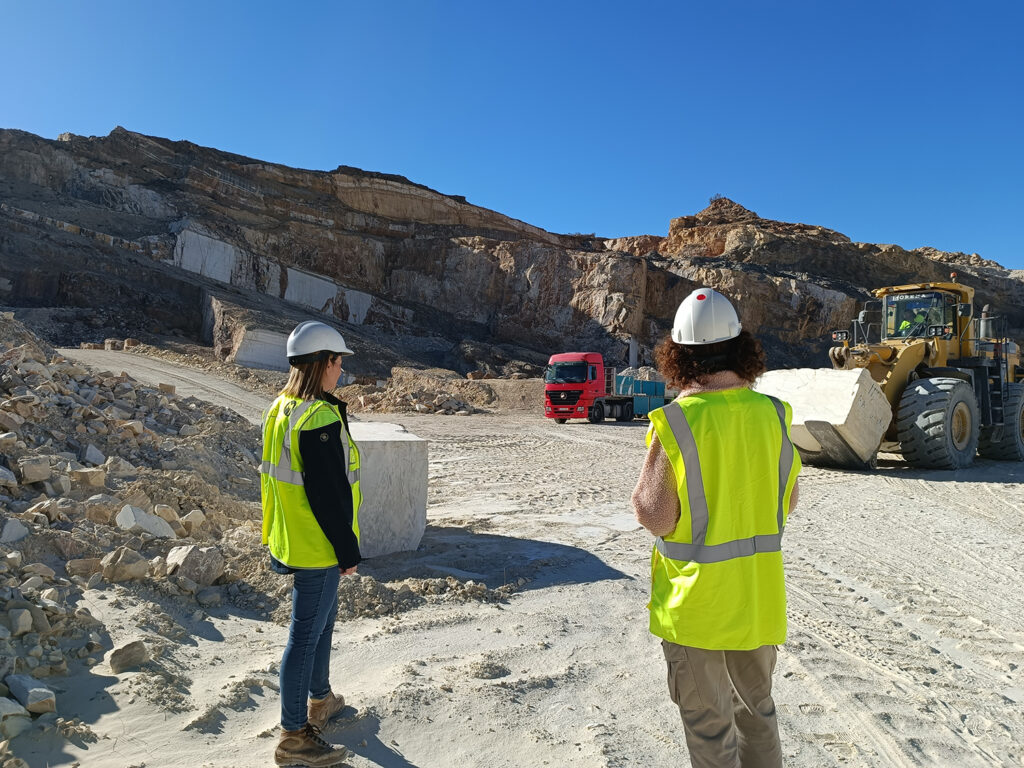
892 122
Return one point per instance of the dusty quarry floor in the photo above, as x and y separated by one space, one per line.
906 610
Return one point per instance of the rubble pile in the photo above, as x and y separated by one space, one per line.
112 490
411 390
372 399
643 373
103 482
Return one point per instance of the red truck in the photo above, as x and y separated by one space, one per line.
577 385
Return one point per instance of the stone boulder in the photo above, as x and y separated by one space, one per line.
102 507
13 530
83 567
135 520
124 564
34 469
14 718
32 695
88 478
129 656
202 565
40 623
20 620
93 455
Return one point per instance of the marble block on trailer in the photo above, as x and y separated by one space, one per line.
393 479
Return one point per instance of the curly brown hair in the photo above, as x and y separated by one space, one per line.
682 365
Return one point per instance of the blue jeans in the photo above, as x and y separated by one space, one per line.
305 666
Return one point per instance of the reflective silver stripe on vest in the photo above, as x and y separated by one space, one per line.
282 471
698 551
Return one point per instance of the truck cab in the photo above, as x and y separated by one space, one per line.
573 385
578 385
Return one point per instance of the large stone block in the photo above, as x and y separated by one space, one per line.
839 417
393 479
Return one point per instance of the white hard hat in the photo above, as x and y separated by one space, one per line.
705 317
312 337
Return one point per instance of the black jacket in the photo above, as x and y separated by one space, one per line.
326 482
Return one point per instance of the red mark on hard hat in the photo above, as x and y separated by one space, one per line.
701 297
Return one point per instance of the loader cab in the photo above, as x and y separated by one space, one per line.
924 314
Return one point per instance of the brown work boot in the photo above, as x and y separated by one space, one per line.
322 710
304 747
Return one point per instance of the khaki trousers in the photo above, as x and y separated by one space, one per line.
725 699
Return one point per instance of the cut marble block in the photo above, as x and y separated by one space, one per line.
261 348
393 479
839 417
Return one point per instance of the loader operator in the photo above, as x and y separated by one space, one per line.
716 488
309 481
911 319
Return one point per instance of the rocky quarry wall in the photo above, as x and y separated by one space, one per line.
184 237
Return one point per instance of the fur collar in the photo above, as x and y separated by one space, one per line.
714 382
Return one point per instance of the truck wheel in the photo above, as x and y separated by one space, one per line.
937 423
560 421
596 413
1011 443
627 412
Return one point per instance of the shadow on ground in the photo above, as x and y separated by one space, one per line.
981 471
360 732
491 559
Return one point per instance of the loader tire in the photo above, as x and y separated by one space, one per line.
1011 442
937 423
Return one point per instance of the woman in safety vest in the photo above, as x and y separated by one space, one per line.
310 489
716 488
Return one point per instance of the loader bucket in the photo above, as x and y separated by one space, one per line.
839 417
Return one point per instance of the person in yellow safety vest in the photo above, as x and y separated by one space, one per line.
311 496
911 318
716 488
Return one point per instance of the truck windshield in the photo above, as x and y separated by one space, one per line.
910 315
566 373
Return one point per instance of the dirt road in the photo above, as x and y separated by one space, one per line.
906 611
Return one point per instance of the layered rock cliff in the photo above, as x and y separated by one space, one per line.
159 235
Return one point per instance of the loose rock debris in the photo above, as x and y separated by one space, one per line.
118 494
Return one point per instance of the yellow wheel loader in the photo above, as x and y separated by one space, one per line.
917 374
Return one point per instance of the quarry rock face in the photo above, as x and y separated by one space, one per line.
233 251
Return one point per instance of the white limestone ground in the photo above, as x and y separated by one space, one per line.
906 638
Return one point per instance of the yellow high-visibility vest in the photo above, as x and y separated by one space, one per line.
289 528
717 579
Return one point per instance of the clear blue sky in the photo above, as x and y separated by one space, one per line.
892 122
